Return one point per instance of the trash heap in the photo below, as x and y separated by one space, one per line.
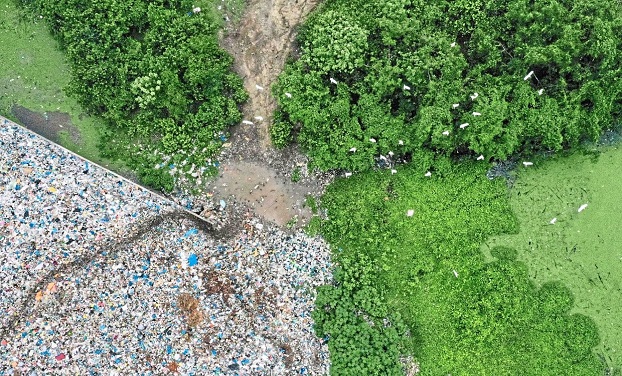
100 276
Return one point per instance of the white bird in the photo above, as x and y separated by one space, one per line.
582 207
406 87
410 212
333 81
428 174
288 95
259 118
348 174
462 126
476 114
260 88
453 44
393 171
527 164
473 96
553 221
480 158
540 91
528 76
455 105
353 149
196 10
248 122
372 140
400 142
390 154
446 133
455 274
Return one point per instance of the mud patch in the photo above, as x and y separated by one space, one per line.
268 194
47 124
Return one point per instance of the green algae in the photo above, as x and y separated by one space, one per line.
581 249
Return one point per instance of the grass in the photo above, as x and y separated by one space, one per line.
467 315
582 249
34 73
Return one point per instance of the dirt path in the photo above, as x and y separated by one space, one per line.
252 170
260 44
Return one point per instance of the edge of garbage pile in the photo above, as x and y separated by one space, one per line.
157 194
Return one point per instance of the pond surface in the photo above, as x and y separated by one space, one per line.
583 249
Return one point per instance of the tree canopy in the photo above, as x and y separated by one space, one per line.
467 78
155 72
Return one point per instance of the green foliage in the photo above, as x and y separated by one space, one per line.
333 42
156 179
281 132
311 202
154 71
466 316
296 175
363 337
444 52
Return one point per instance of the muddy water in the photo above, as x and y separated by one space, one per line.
268 194
254 172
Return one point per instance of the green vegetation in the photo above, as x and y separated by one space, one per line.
437 84
311 203
354 316
401 65
156 75
33 74
465 316
296 175
581 249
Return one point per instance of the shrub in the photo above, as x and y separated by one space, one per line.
154 71
363 337
401 65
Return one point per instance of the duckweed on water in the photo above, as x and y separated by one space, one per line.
581 249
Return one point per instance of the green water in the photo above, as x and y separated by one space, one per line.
582 249
34 73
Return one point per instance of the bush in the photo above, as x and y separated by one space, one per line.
401 65
363 338
155 72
